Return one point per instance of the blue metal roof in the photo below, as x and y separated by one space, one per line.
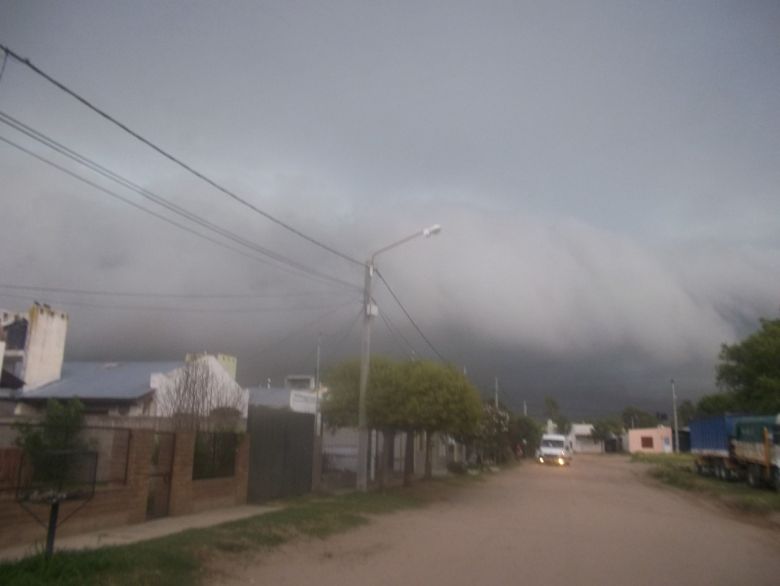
114 381
278 398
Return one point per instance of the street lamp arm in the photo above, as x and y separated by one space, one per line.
427 232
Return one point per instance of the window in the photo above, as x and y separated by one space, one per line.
647 442
215 455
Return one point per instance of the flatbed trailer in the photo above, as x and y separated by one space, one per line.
737 447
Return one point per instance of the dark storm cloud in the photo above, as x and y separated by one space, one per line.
606 175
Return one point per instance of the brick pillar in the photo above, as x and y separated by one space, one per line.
139 464
181 474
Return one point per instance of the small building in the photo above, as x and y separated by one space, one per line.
652 440
105 388
581 439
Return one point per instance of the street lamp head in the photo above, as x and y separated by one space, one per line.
432 230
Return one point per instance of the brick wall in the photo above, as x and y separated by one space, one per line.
120 504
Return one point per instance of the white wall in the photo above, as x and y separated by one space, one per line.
45 346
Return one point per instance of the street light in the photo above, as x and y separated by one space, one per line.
369 311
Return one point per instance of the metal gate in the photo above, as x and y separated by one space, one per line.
281 453
159 480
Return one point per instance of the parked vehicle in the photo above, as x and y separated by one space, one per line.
735 447
554 449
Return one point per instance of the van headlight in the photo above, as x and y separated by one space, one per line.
560 461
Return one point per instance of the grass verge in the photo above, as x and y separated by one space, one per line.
677 470
181 558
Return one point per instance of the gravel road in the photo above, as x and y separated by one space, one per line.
596 522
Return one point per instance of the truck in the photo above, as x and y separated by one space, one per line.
735 447
554 449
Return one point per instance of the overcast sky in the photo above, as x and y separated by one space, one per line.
606 174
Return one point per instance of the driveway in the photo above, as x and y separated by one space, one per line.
596 522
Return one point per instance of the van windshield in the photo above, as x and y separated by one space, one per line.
551 443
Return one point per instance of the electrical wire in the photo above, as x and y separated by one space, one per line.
124 182
279 342
398 337
311 273
410 318
155 294
175 308
2 67
176 160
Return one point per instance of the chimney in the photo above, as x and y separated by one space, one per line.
44 348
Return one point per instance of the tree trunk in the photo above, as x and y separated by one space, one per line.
409 458
385 464
428 462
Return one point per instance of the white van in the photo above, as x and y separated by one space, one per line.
554 449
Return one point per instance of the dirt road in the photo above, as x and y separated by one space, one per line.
593 523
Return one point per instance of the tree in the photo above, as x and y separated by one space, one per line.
526 432
45 444
53 450
553 412
605 429
493 432
384 401
437 398
411 396
197 391
633 417
750 369
717 404
685 413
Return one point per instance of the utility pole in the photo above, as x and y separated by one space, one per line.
676 426
369 311
495 390
318 415
365 356
525 409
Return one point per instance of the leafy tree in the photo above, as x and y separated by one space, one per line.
525 431
685 412
633 417
553 411
384 401
44 444
750 369
717 404
412 396
493 433
437 398
551 408
605 429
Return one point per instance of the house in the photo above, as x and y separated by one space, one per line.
581 439
106 388
653 440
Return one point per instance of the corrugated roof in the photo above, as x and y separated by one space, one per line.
102 380
278 398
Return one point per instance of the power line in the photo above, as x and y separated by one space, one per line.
302 272
409 317
279 342
175 308
124 182
176 160
155 294
398 336
2 67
